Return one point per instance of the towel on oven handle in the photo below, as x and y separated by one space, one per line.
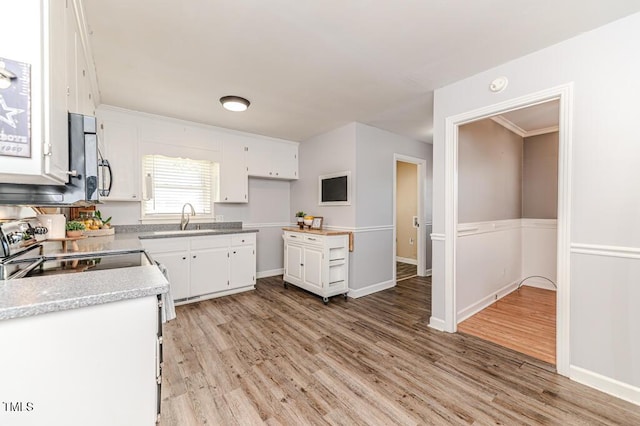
168 307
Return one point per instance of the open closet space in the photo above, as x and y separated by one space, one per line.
506 248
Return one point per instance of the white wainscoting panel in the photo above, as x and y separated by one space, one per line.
539 252
489 257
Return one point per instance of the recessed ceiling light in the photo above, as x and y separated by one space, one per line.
234 103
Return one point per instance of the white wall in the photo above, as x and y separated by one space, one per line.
494 257
368 153
605 232
334 151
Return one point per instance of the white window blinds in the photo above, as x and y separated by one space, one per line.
170 182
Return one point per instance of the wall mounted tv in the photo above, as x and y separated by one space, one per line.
334 189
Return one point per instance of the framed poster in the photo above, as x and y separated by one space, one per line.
15 108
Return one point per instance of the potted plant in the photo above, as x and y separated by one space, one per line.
74 228
300 217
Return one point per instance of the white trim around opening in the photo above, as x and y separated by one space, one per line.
563 93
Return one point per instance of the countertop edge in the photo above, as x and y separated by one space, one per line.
79 302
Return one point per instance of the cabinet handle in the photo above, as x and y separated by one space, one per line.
311 239
234 252
184 258
302 264
194 256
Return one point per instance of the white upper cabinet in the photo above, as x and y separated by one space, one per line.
272 159
233 182
119 140
43 34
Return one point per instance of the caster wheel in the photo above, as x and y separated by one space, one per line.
284 283
346 296
325 300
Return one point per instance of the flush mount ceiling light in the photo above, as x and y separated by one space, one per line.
234 103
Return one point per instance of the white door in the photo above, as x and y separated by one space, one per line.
293 263
177 265
209 270
242 266
312 268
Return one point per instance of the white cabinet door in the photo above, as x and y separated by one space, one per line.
242 266
285 161
209 270
293 263
56 125
312 268
272 159
259 159
234 181
177 264
120 140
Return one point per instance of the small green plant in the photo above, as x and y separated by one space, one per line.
300 214
99 216
75 226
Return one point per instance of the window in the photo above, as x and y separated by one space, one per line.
171 182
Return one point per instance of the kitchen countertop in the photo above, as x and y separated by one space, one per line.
31 296
27 297
315 231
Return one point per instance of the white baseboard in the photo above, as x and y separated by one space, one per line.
270 273
539 283
476 307
406 260
605 384
216 295
437 324
361 292
427 273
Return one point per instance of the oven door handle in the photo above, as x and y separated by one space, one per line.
21 273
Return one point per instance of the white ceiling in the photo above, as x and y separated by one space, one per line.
536 117
311 66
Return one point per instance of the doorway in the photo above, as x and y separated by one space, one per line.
406 220
507 236
409 195
563 94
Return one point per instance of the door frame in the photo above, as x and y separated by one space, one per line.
564 94
421 164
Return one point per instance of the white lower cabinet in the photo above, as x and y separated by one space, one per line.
317 263
97 365
206 266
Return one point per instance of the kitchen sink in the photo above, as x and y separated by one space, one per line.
185 232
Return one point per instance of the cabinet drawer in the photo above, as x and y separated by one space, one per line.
165 245
243 239
293 236
314 239
206 242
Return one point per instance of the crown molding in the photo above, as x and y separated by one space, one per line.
520 131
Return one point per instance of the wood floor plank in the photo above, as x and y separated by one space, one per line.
277 356
524 320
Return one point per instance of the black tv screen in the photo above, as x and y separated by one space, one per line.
334 189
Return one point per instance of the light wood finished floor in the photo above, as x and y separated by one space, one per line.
524 321
280 357
405 270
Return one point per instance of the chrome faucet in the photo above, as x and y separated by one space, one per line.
184 220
